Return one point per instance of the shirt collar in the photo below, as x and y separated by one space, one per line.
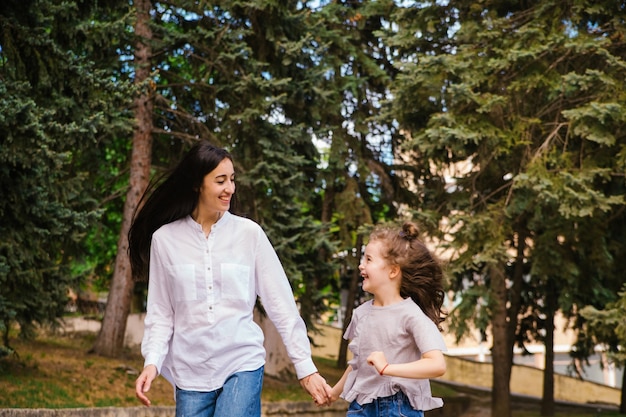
220 223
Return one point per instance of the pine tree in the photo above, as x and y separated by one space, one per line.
607 328
58 104
518 117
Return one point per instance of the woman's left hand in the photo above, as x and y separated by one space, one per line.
319 389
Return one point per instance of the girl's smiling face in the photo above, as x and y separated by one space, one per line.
374 268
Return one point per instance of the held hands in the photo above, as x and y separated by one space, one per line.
316 385
142 385
377 360
336 391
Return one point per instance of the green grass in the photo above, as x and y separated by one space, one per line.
44 395
442 391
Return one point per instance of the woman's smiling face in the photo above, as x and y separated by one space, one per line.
218 187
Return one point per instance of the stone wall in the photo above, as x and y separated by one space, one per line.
527 380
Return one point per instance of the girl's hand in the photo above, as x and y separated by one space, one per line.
377 360
336 391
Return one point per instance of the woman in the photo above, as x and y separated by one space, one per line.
206 268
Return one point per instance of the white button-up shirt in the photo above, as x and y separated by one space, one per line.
199 326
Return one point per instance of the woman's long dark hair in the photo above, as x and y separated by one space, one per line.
165 201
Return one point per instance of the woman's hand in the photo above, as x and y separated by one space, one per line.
143 383
316 385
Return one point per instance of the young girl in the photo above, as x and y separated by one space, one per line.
395 338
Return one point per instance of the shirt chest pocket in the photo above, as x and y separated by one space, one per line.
183 279
235 281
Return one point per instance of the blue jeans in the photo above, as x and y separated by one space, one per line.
240 396
396 405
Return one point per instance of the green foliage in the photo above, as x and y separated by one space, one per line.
519 110
43 214
56 105
608 328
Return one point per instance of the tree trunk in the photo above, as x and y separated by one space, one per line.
501 391
505 318
622 404
342 359
547 401
110 340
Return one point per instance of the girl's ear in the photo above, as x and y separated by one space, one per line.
395 272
